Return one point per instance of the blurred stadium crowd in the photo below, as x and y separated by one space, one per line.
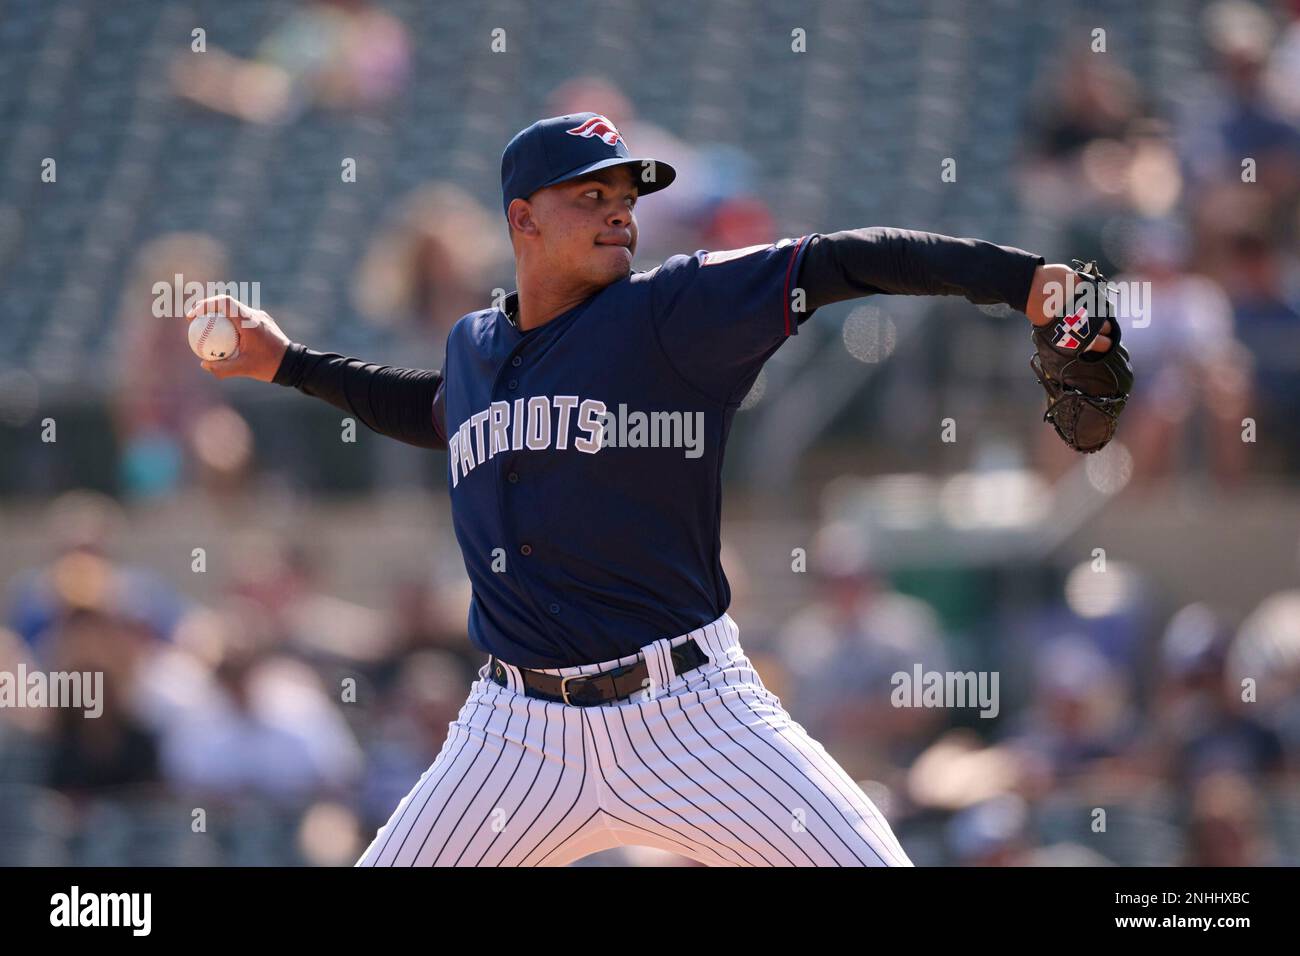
296 719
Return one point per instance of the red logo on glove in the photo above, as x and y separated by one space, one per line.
1072 331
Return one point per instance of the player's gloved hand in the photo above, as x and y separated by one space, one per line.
261 343
1087 374
1047 298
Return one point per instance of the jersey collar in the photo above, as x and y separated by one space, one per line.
510 305
510 309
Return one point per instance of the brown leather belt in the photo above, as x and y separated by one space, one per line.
591 690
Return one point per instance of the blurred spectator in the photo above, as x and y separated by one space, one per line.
258 724
1075 172
1189 359
991 833
843 648
1282 76
1080 713
1108 607
1268 324
1233 119
115 749
1087 97
280 579
330 835
83 526
427 616
1267 650
172 422
409 727
1202 723
738 220
434 261
1226 825
959 771
17 722
1098 163
339 54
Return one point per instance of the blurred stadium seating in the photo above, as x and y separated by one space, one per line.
339 558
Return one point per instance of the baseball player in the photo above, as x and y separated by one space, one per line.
584 419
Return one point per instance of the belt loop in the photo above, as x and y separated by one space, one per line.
514 679
659 665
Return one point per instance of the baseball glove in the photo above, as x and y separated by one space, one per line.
1086 391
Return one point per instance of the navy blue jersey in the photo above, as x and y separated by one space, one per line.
585 455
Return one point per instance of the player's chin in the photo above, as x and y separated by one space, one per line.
613 262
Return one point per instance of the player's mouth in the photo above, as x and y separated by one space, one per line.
624 243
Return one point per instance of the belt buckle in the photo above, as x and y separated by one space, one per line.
615 672
564 687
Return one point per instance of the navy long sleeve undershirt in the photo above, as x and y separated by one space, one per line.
880 259
402 403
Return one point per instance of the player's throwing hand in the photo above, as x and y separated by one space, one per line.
261 343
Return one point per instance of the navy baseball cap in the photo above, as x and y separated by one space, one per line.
565 147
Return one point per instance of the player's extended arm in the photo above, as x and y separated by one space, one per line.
880 259
402 403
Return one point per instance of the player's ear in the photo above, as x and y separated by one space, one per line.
521 218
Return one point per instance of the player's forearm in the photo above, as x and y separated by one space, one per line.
858 262
397 402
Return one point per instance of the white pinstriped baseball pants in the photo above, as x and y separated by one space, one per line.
708 765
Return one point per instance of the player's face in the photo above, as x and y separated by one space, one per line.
589 225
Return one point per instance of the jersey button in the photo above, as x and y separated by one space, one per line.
525 549
554 609
512 384
516 361
513 478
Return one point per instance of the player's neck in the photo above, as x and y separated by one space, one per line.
540 302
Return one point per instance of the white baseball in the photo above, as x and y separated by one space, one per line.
214 337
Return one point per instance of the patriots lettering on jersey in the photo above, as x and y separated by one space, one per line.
546 421
524 423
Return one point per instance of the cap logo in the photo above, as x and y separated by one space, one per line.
597 126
